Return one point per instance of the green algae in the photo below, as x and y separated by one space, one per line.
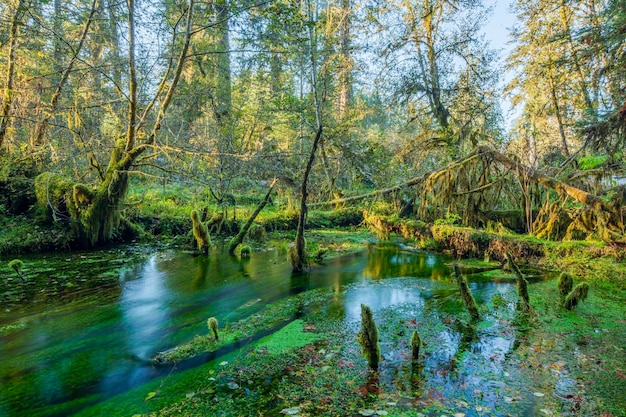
290 337
272 317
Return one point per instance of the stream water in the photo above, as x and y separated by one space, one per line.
62 357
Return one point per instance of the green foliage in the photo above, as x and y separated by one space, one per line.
565 283
590 162
577 295
451 219
368 338
213 327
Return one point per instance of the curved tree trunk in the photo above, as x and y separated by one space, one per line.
237 240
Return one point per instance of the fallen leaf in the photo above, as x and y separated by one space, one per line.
539 394
150 395
620 374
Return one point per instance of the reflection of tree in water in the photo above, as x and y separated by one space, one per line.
393 261
202 266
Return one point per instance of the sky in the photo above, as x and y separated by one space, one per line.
497 31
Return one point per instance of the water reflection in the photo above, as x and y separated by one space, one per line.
144 306
88 352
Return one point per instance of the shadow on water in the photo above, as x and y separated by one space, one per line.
64 358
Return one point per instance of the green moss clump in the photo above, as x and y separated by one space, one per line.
213 325
245 251
368 338
200 232
416 342
17 265
53 193
565 283
577 295
466 294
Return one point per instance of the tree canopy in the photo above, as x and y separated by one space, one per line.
232 93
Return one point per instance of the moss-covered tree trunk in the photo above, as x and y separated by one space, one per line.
466 294
98 213
522 284
237 240
298 252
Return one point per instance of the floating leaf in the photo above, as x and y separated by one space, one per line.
150 395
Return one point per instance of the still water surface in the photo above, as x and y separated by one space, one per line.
71 355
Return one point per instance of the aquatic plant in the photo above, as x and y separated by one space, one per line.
466 294
368 338
200 232
17 265
246 250
213 325
577 295
416 342
522 284
565 283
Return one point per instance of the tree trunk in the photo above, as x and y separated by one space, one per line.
298 255
7 97
101 217
237 240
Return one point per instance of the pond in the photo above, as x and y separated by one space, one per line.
58 358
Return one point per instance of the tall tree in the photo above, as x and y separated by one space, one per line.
7 96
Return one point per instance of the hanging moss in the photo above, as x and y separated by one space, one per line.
522 284
416 342
200 232
577 295
466 294
213 325
368 338
81 194
565 283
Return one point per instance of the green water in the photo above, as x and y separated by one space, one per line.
61 357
